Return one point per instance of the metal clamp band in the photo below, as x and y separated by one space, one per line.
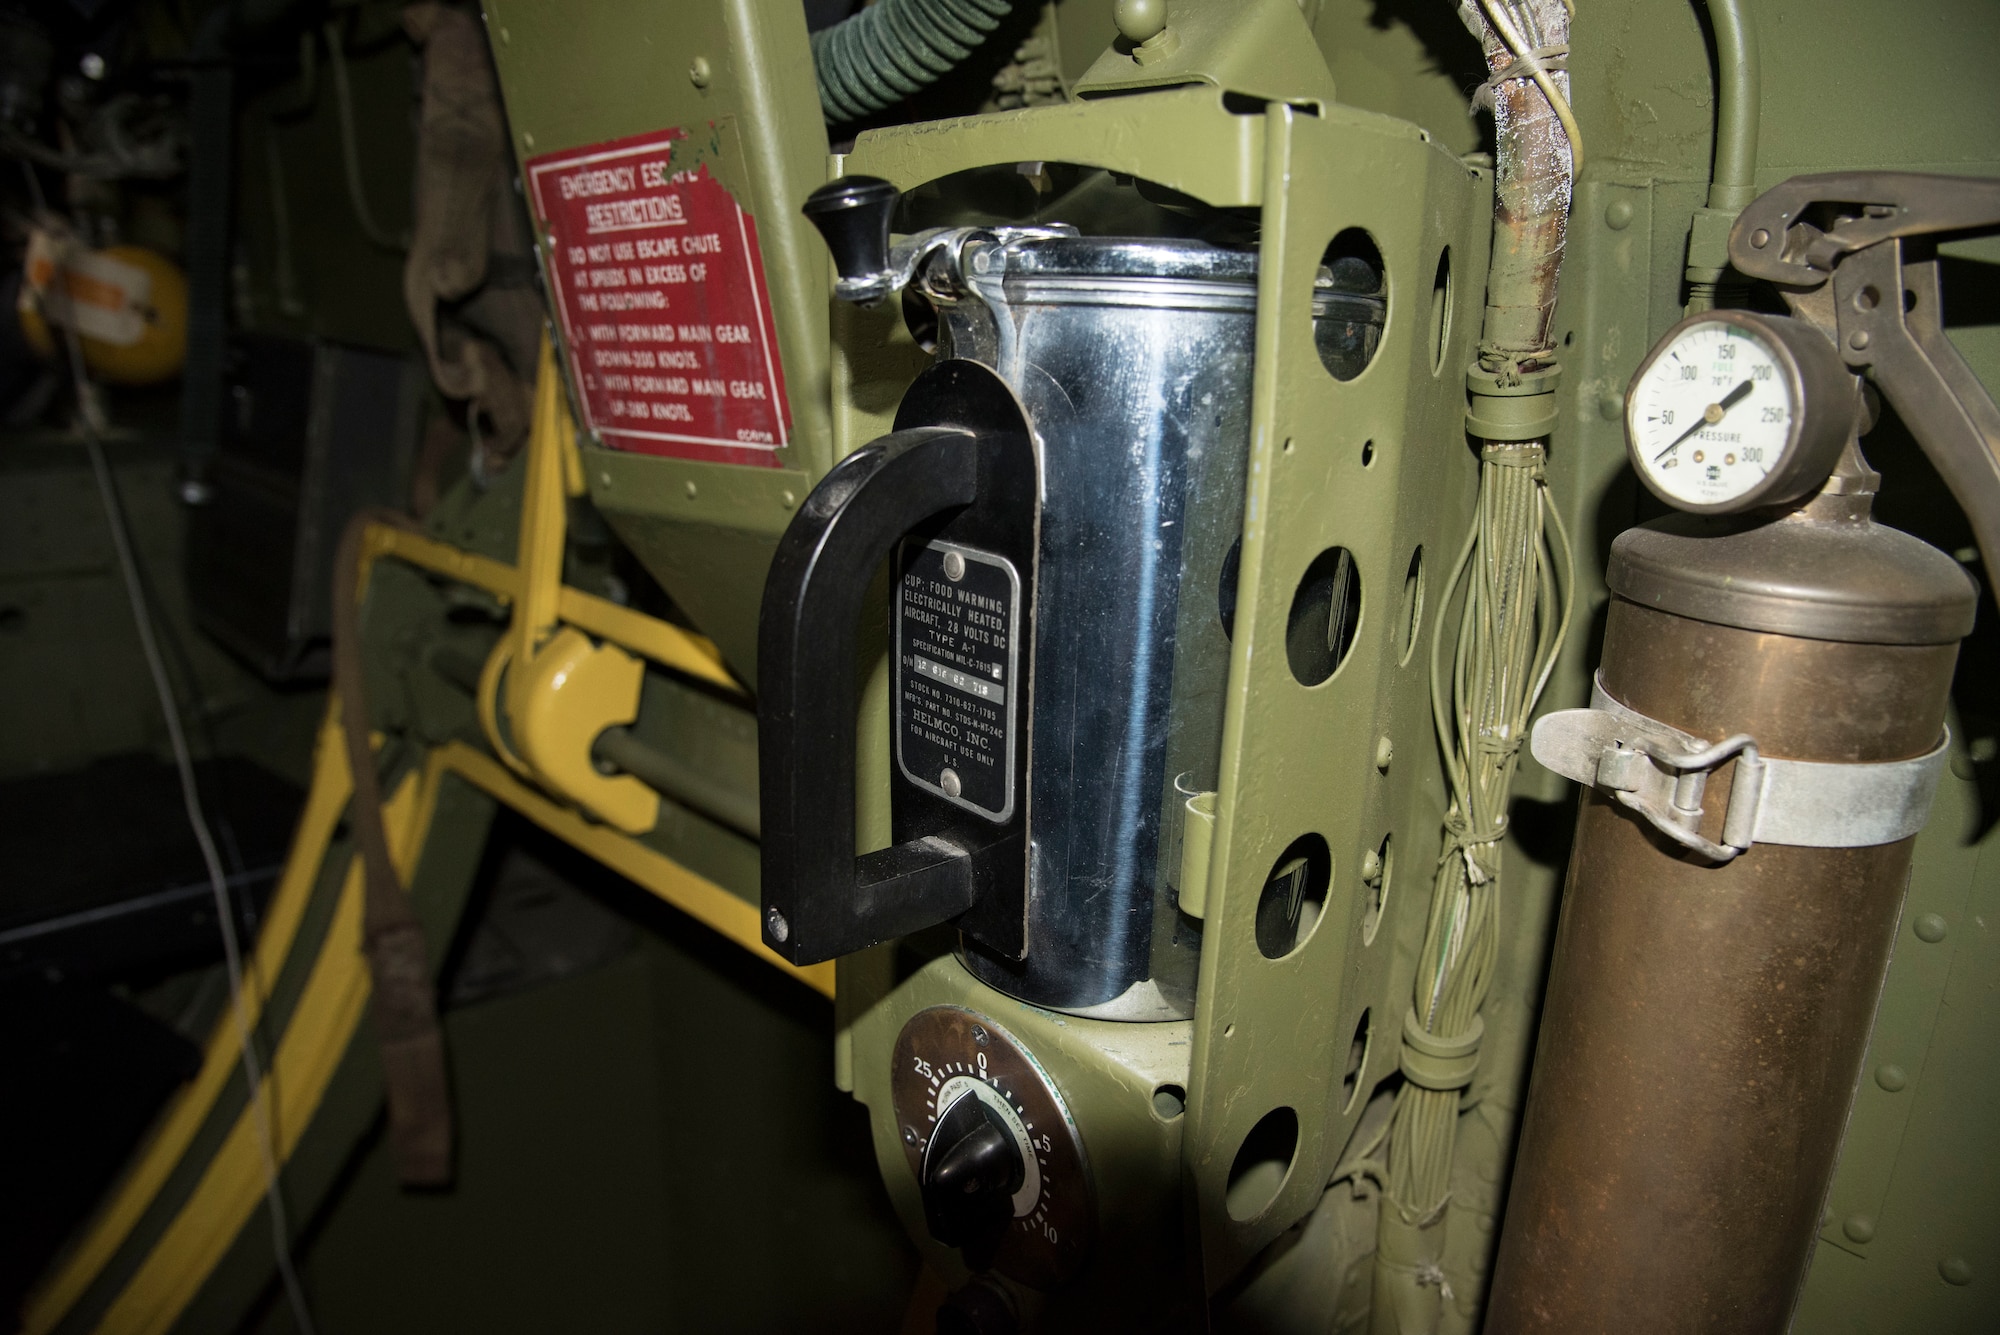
1660 772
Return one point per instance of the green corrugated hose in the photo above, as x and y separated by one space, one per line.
890 50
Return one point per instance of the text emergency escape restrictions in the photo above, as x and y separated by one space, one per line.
664 310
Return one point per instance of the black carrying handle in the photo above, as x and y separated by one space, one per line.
820 899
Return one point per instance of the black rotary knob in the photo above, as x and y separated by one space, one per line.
970 1175
853 214
1018 1203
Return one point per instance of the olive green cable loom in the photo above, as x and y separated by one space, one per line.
1515 577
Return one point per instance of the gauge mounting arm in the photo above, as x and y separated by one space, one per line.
1870 238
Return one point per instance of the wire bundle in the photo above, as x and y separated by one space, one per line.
1515 568
1515 572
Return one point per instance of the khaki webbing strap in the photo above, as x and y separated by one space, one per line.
404 1002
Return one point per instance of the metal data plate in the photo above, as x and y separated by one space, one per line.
958 617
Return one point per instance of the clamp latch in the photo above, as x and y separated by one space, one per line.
1662 774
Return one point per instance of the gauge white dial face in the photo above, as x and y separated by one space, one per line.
1712 415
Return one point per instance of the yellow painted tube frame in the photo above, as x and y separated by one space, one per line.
322 1026
337 988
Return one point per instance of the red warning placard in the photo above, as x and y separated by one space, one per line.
664 309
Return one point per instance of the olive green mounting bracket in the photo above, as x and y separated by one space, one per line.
755 500
1390 442
1259 49
1183 138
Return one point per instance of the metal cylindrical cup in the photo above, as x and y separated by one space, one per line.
1132 359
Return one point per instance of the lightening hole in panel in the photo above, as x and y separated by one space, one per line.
1225 593
1169 1102
1357 1062
1440 310
1326 611
1262 1164
1377 872
1294 896
1350 304
1411 620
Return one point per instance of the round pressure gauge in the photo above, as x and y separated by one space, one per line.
1733 410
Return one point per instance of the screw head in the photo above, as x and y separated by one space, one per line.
775 924
1891 1077
1610 407
1760 239
954 566
788 498
1385 751
1618 214
1955 1270
950 783
692 490
698 72
1858 339
979 1034
1371 865
1929 927
1858 1228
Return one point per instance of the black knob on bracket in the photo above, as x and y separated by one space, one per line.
853 214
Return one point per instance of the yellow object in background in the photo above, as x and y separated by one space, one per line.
127 304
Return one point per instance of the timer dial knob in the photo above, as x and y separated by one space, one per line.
972 1168
992 1146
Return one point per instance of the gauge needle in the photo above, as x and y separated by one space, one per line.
1709 417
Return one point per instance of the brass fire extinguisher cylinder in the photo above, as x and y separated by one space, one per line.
1705 1022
